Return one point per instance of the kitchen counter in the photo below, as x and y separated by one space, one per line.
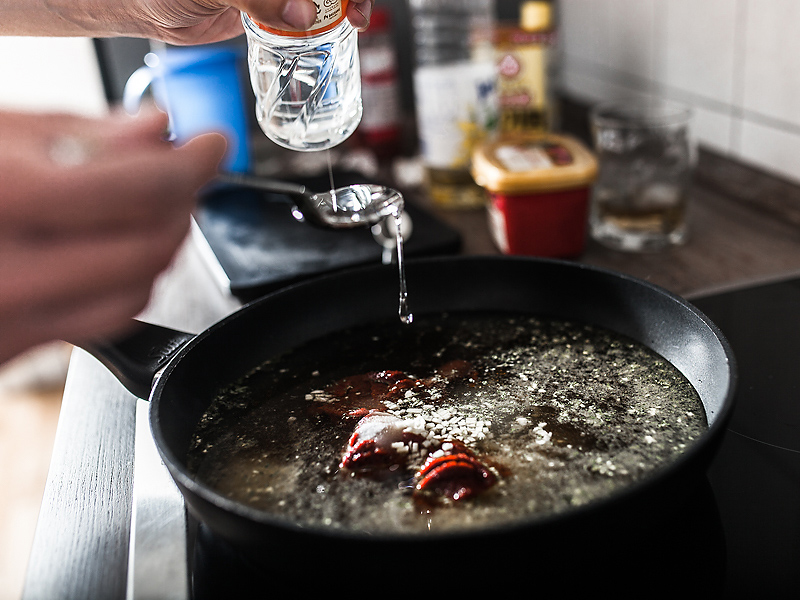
745 227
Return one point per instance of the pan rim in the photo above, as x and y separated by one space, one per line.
651 481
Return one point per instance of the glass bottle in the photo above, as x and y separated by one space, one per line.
523 58
455 93
381 125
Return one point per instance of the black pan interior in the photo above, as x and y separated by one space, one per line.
227 351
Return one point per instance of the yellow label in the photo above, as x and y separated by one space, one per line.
523 78
522 87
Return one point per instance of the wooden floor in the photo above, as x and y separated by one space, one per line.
31 389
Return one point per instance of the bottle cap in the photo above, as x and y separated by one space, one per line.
535 16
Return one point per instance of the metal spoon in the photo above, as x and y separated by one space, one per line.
345 207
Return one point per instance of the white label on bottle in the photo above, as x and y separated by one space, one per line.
381 104
328 13
456 105
377 61
379 90
497 228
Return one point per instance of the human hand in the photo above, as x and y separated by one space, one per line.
203 21
300 14
91 211
179 22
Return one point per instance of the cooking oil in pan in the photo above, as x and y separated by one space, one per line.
564 413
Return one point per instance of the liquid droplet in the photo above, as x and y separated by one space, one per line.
406 317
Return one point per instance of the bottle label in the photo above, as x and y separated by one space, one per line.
329 14
456 107
522 85
381 104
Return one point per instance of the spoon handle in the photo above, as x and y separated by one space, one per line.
303 198
265 184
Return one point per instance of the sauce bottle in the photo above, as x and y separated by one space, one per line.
522 62
381 125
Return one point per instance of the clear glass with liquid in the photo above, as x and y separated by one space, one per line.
639 200
307 85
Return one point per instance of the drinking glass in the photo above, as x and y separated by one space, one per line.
645 160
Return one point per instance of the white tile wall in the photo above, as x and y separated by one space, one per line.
736 62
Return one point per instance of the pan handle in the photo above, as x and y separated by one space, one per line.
137 358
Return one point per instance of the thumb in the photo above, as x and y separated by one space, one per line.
290 14
205 153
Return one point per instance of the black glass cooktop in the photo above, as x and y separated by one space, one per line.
756 474
737 535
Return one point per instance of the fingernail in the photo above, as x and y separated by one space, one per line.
299 14
365 24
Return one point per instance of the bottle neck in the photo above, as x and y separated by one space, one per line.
262 36
329 16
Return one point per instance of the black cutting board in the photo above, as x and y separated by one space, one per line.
261 247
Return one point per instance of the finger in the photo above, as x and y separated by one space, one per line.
220 22
36 133
121 130
99 159
44 276
102 318
290 14
125 189
359 13
98 317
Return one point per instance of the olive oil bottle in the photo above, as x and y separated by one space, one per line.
523 58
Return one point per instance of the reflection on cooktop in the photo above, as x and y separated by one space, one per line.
756 474
762 325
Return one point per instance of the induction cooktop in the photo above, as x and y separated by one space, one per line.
755 477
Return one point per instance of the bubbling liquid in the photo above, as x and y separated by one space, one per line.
564 413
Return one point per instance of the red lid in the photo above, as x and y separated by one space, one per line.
380 21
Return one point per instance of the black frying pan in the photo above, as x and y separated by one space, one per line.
198 366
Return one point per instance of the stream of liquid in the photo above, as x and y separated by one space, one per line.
330 172
406 317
